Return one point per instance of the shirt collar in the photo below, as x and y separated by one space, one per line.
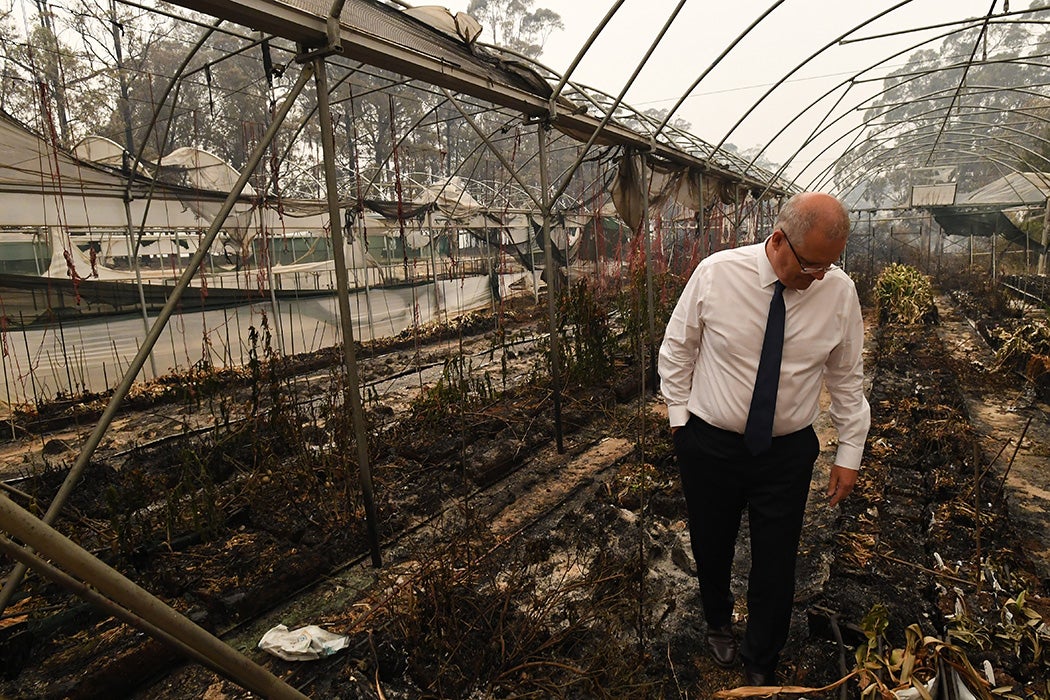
766 275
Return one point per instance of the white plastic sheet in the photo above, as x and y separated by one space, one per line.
302 644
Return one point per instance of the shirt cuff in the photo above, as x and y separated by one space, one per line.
677 415
849 456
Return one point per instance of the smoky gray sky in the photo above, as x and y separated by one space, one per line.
771 52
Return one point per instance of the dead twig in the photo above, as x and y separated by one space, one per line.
987 469
924 569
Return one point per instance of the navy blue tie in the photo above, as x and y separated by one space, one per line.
758 434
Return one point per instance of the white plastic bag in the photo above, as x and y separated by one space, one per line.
303 644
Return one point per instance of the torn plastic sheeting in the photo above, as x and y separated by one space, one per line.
957 689
303 644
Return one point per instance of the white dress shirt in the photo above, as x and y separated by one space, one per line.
711 347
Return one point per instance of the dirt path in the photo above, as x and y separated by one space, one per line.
1002 415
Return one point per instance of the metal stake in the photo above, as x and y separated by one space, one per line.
353 391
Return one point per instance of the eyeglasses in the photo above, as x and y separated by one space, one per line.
805 266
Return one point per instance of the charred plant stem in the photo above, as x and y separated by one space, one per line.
927 570
1002 482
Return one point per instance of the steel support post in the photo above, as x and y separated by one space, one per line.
352 389
649 374
1040 268
548 257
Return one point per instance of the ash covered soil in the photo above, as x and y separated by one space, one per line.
513 568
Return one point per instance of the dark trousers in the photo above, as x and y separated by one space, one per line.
719 479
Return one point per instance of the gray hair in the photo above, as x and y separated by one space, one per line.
795 218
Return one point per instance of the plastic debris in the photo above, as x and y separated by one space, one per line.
302 644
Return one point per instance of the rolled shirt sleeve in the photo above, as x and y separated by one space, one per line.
844 378
679 351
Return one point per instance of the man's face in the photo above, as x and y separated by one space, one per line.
798 266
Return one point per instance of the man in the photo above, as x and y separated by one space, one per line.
713 347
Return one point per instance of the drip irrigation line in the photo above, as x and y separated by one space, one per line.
932 572
980 477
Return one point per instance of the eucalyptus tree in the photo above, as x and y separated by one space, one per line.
117 39
39 63
17 86
514 24
982 81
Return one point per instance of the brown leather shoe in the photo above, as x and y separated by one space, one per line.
722 644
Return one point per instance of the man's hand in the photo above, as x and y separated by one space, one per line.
840 484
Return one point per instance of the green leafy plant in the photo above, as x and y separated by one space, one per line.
904 295
1023 630
885 671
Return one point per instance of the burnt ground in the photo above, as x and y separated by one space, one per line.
511 568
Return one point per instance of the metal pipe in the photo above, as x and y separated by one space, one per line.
548 257
352 390
891 107
45 539
89 594
962 81
907 143
133 258
488 142
740 37
133 249
119 393
987 156
848 83
583 50
926 27
1040 268
650 289
801 65
619 98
